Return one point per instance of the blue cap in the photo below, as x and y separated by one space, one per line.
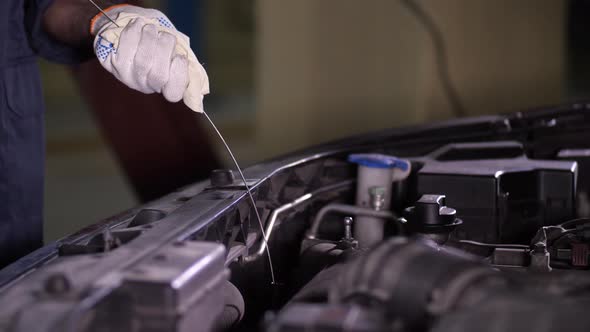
375 160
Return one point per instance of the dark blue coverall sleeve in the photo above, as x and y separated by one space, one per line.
43 44
22 138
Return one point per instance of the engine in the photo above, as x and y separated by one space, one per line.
474 225
473 236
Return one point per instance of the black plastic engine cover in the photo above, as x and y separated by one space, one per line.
500 194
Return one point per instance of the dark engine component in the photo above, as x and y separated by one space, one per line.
566 245
416 285
321 318
500 194
411 281
431 216
516 314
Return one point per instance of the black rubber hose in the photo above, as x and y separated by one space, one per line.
440 55
414 280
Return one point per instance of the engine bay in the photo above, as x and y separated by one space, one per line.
474 225
428 266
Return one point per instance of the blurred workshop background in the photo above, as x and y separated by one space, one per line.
289 74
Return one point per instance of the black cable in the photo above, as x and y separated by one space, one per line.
440 54
575 223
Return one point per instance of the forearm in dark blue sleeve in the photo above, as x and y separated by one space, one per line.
59 30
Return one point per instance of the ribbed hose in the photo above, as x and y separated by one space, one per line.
414 280
234 308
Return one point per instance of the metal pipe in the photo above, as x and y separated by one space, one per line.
233 158
293 204
495 245
275 215
346 209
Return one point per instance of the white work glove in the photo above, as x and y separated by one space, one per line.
148 54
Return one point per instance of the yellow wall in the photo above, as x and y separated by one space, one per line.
332 68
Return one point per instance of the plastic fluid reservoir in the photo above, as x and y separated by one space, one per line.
376 174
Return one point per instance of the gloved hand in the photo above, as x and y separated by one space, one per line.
148 54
